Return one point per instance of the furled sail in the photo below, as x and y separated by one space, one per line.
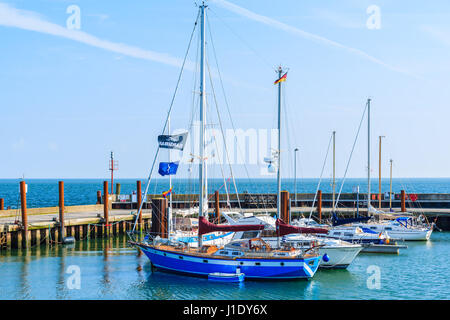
284 229
204 226
337 222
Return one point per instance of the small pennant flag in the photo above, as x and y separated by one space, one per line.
283 78
166 193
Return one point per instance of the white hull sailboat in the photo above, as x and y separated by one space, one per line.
336 253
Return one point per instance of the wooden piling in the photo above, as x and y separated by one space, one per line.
159 217
403 200
2 204
19 239
38 237
99 197
115 228
77 232
217 205
33 237
8 240
105 202
62 231
319 205
45 236
285 207
23 206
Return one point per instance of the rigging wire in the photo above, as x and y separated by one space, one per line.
265 61
167 118
350 157
231 118
223 136
228 108
320 179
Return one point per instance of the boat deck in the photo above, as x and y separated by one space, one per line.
211 250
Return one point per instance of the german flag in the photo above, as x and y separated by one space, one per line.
166 193
283 78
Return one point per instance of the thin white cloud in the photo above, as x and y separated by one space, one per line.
304 34
18 145
101 16
28 20
442 35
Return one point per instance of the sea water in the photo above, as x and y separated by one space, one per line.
44 192
110 269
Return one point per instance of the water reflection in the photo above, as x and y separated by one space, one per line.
113 270
25 287
61 289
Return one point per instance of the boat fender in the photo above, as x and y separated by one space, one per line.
68 240
325 258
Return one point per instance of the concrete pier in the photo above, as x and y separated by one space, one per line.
28 227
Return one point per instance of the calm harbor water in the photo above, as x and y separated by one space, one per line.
44 192
109 269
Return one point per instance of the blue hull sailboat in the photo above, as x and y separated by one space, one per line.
252 257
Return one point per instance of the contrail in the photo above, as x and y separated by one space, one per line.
28 20
304 34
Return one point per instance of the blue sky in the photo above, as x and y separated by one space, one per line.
67 99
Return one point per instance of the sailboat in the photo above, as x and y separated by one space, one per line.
402 228
335 253
254 258
350 229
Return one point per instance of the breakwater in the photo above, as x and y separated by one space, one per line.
114 214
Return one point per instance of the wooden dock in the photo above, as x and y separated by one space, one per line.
44 227
28 227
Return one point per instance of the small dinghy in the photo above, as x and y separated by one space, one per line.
226 277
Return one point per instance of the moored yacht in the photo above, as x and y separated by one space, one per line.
373 242
336 253
254 257
404 228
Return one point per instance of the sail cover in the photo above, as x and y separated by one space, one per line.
284 229
337 222
204 226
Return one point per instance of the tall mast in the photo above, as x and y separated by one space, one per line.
334 170
368 155
170 182
379 173
295 179
280 73
202 166
390 189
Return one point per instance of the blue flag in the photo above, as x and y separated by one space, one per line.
168 168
